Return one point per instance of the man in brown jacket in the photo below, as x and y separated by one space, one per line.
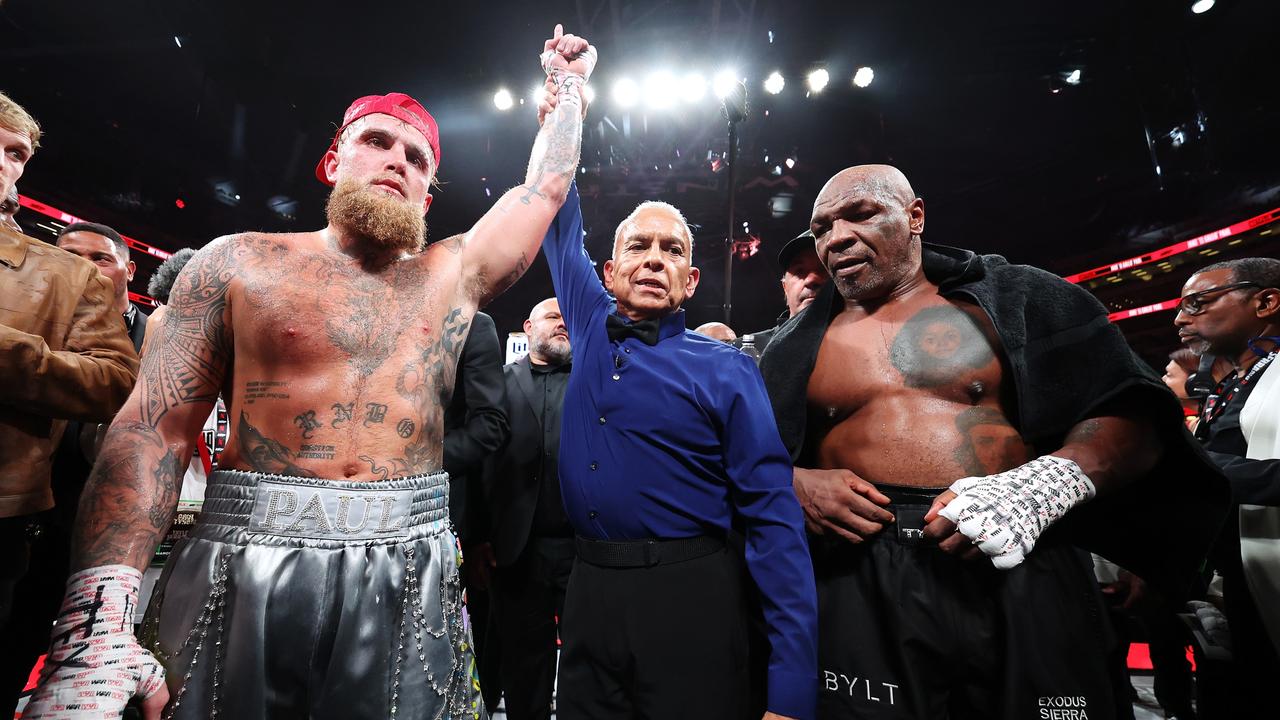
64 355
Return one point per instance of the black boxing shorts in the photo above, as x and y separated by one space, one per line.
909 632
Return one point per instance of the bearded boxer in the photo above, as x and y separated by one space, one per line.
945 411
322 578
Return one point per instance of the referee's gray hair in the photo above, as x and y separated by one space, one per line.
653 205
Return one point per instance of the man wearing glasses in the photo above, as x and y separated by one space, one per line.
1232 310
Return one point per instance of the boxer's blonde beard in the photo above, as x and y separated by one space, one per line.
391 224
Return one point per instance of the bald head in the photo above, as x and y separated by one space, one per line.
548 337
866 224
549 305
718 331
885 182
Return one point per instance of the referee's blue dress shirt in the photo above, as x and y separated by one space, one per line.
670 441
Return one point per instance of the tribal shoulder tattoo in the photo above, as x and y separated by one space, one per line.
131 495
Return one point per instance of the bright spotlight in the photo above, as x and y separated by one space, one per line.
791 162
1201 6
693 87
626 93
1073 77
774 83
818 80
660 90
588 94
502 100
864 76
722 84
536 94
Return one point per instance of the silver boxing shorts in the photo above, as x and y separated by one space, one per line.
302 598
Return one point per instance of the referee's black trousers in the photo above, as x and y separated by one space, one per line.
666 642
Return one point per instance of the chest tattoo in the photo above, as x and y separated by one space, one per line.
939 345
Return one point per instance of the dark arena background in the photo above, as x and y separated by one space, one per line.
1072 136
1121 144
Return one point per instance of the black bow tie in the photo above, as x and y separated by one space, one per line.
644 330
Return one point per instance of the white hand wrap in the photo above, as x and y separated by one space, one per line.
569 84
1004 514
95 664
586 57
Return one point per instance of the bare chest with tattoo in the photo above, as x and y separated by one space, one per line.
338 372
912 395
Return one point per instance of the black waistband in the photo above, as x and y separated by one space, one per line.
646 553
907 495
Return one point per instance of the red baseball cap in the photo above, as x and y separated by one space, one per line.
397 105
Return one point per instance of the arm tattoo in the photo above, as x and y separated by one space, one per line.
555 152
131 495
1084 432
427 383
188 363
129 500
516 273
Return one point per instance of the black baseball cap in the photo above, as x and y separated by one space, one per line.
796 245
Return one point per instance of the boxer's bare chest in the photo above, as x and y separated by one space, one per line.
339 370
914 394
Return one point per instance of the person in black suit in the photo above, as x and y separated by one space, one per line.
475 424
802 277
40 592
475 427
531 537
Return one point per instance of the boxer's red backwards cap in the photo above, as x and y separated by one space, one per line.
397 105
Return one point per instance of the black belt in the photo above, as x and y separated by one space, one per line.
646 553
909 505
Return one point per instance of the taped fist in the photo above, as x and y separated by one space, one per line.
568 54
1005 514
95 664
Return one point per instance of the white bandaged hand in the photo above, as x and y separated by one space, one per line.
95 664
1004 514
568 61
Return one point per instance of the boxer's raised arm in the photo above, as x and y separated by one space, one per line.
130 497
498 250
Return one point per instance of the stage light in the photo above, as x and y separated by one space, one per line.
818 80
1073 77
502 100
774 83
791 162
535 95
660 90
693 87
1201 6
864 76
178 41
179 203
588 94
626 93
722 84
